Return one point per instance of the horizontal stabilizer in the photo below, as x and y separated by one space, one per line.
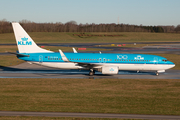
21 55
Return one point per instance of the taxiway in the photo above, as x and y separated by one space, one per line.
26 70
88 115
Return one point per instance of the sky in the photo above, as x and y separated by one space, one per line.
133 12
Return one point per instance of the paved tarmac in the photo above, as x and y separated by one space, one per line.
26 70
88 115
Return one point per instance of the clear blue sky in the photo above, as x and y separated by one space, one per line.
145 12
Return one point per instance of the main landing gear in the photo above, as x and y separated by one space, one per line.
156 73
92 72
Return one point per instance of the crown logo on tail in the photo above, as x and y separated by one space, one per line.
24 39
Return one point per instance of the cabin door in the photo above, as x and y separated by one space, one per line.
155 60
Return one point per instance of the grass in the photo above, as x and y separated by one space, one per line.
55 37
8 48
9 60
57 118
137 96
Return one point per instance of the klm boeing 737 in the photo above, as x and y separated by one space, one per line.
106 63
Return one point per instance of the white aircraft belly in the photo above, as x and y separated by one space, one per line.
63 65
67 65
144 67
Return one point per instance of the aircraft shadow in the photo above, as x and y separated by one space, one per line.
47 72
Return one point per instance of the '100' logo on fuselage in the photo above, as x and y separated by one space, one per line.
24 41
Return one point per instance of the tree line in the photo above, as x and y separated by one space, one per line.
72 26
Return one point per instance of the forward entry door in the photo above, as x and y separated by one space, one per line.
40 58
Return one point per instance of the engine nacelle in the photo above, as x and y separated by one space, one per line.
110 70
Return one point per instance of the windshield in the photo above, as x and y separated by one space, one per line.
165 60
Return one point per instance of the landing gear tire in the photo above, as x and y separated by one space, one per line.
157 73
91 73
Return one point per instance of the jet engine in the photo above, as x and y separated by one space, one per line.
109 70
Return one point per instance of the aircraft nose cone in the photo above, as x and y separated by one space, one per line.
172 64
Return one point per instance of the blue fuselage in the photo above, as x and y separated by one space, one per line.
98 58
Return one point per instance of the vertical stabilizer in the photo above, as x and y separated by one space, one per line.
24 42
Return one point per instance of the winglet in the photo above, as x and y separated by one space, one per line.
63 56
74 50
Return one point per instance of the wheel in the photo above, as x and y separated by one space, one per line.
157 73
91 73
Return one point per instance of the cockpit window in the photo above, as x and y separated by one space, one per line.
165 60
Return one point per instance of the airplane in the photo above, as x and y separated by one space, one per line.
106 63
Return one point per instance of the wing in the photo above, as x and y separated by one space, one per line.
88 65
